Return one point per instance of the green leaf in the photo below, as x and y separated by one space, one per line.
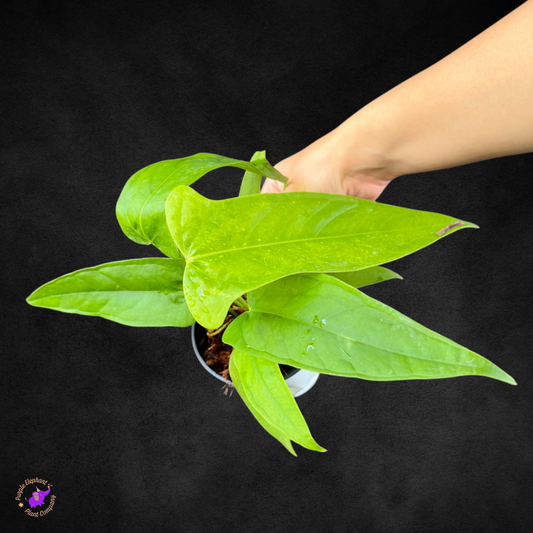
367 276
318 323
236 245
261 386
141 206
137 292
251 181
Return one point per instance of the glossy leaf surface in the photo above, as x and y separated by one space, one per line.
141 205
261 386
137 292
236 245
367 276
320 324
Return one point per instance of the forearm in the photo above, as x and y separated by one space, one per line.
475 104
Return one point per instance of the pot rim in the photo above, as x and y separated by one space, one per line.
201 359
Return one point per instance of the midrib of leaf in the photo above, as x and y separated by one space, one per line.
104 292
273 244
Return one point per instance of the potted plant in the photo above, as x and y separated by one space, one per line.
286 268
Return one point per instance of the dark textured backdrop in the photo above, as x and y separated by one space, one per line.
131 432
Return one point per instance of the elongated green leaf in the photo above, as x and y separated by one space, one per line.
137 292
316 322
236 245
261 386
141 206
367 276
251 181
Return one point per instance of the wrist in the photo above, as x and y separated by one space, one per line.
366 145
357 158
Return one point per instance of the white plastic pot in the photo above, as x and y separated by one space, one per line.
298 382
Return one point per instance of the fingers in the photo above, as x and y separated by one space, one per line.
277 186
272 186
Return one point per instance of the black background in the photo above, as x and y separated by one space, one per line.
126 425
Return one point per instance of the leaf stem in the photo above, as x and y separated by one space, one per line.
242 303
217 331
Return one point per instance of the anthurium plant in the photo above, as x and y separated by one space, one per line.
292 264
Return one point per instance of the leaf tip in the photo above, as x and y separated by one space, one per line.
288 446
31 298
260 154
500 375
312 444
510 380
457 224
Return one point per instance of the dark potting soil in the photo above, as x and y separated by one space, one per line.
216 354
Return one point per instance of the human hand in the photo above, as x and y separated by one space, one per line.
323 167
324 179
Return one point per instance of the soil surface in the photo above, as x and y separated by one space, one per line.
215 353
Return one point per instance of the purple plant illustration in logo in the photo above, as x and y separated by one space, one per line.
38 497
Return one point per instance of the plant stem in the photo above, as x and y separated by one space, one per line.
217 331
242 303
234 313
